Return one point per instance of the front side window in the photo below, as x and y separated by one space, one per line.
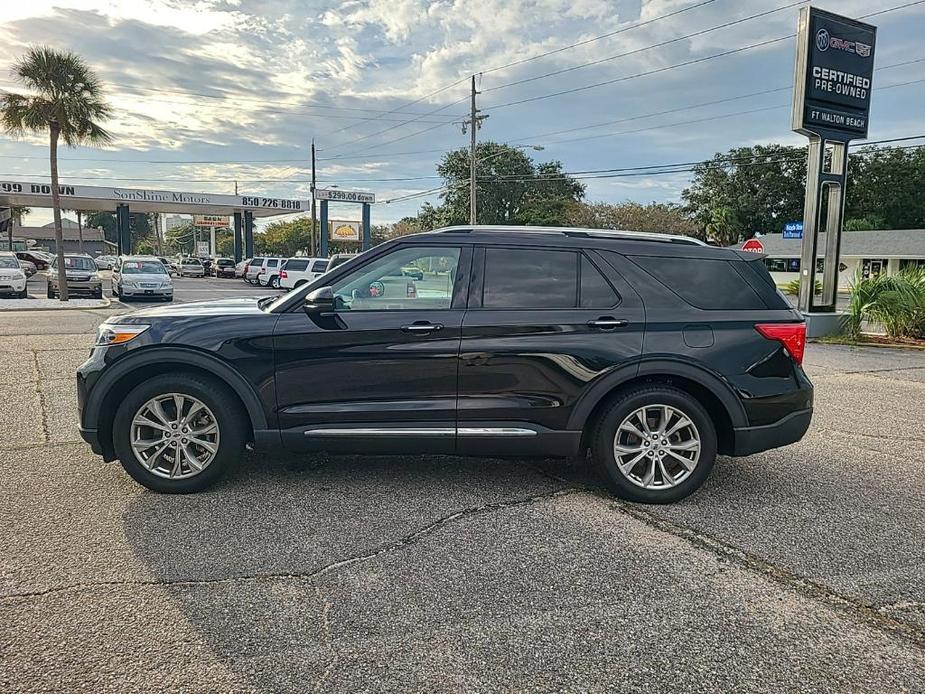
320 266
295 265
272 262
528 278
382 286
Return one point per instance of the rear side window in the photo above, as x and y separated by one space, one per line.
527 278
320 266
596 291
706 284
295 265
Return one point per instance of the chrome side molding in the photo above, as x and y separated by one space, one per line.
423 431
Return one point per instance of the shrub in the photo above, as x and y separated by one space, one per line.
793 287
897 302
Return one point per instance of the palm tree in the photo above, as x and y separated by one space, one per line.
66 101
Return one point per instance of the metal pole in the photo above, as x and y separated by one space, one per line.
323 231
814 163
312 234
473 125
80 232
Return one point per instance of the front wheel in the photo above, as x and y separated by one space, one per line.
179 433
655 444
49 292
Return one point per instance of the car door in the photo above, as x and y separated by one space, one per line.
543 325
377 374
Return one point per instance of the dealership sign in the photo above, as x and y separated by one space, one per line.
345 231
833 75
210 220
338 195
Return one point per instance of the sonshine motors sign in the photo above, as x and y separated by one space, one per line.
834 74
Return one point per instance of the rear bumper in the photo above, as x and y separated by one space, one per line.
787 430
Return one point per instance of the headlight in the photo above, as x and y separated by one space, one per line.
115 334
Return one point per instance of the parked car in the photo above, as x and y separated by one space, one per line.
298 271
169 266
223 267
28 268
241 268
264 272
37 258
206 265
12 276
189 267
413 272
141 277
526 342
105 262
81 274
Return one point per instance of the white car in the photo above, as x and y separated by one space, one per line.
141 277
190 267
298 271
264 272
12 276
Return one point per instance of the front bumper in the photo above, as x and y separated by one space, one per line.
12 286
787 430
161 292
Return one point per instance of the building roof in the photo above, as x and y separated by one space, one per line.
65 224
885 243
48 234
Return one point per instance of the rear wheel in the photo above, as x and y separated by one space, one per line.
655 444
179 433
274 282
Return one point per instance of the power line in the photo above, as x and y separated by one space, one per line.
685 63
661 44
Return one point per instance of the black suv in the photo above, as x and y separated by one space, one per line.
652 352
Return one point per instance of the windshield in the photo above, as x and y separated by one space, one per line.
143 267
76 263
7 261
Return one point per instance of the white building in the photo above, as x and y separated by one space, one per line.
871 252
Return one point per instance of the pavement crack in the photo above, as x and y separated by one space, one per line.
327 639
40 392
389 547
856 609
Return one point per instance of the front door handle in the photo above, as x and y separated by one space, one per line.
422 327
608 323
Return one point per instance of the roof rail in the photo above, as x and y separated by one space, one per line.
576 232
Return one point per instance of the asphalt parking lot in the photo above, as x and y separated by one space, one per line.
794 570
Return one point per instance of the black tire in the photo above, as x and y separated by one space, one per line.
602 443
115 290
23 294
218 397
274 282
98 294
49 292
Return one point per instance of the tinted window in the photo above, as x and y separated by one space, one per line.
295 265
526 278
596 292
257 261
77 263
271 262
707 284
320 266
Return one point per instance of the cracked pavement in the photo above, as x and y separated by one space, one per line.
799 569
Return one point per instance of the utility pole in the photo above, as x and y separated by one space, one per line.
312 235
474 123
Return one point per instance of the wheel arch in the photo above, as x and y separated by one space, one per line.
709 389
116 382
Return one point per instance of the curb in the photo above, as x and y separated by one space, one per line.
881 345
107 299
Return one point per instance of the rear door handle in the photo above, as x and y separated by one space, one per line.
422 327
608 323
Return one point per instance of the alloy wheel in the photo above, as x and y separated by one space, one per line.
174 435
657 446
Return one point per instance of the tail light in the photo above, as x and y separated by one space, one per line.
283 275
247 267
791 335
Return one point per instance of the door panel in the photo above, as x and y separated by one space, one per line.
533 365
372 369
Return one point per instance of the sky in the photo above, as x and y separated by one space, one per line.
206 92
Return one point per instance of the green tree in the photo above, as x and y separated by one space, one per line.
17 212
724 226
867 223
663 218
761 186
140 226
284 239
67 103
510 188
885 186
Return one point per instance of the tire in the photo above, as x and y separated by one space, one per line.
24 294
274 282
115 290
98 295
300 283
228 415
629 484
50 292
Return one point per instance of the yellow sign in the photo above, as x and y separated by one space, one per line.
345 231
210 220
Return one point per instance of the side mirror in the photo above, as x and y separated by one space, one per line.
319 301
